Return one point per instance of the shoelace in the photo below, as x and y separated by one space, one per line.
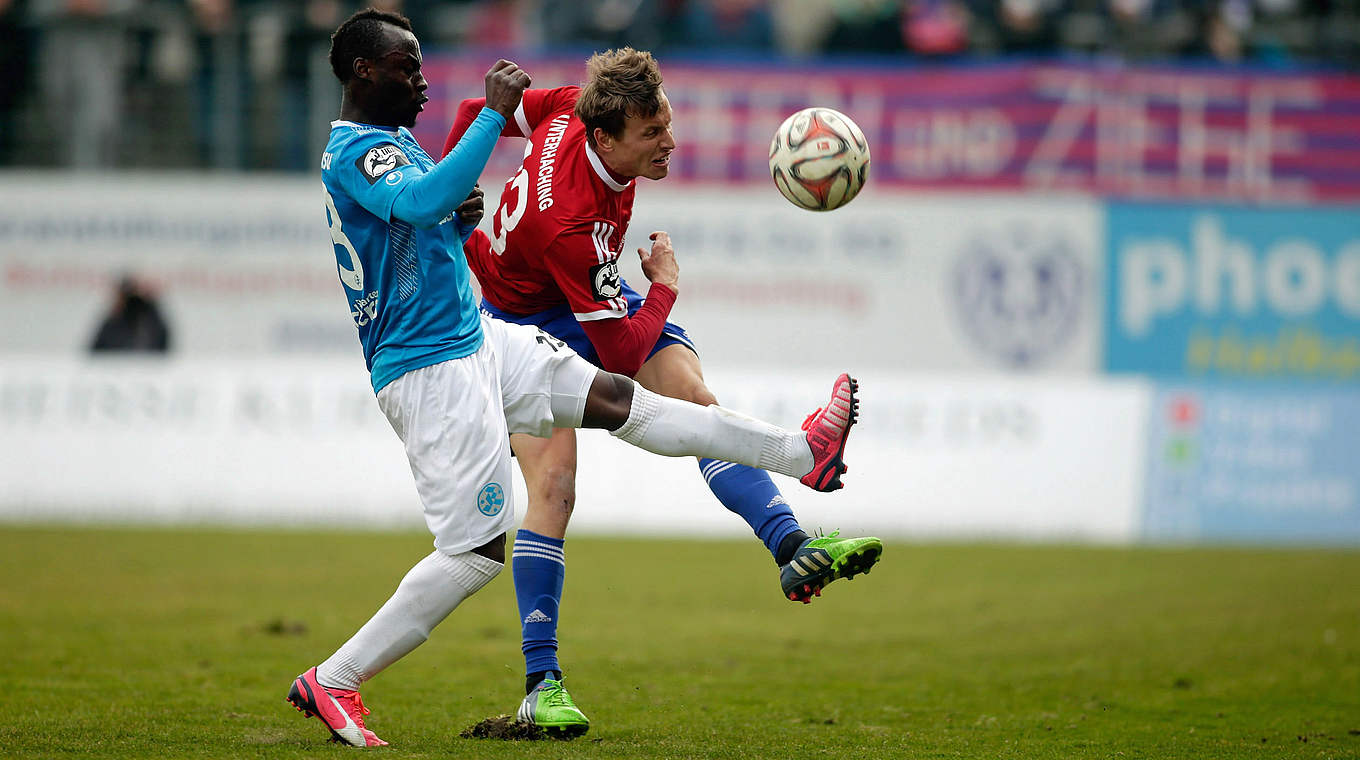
559 697
819 534
354 701
811 417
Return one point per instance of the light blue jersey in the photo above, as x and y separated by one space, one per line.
398 245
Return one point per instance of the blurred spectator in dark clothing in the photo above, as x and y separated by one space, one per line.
133 323
865 26
1129 29
1026 27
603 23
83 54
219 40
14 61
745 25
309 97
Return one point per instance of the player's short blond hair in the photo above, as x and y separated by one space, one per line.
619 83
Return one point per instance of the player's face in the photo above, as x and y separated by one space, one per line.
644 149
398 89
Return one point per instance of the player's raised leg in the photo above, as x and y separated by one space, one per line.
539 569
675 371
675 428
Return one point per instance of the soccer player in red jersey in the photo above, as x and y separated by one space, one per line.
552 261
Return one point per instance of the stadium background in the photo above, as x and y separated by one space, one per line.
1103 284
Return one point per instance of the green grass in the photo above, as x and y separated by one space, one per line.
150 644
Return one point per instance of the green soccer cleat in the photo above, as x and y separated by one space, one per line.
820 561
550 707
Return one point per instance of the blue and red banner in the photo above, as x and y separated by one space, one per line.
1161 133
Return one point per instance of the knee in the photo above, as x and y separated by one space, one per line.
609 402
698 393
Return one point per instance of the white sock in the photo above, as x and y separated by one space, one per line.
428 593
675 428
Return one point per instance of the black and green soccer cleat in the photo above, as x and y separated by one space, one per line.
820 561
551 708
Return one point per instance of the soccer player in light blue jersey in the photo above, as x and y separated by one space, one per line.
455 385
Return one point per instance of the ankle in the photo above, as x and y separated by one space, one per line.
538 676
789 547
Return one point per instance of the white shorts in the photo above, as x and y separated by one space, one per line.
455 418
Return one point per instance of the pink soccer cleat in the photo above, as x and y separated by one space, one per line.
827 429
342 711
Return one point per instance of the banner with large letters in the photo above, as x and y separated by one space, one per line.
1180 132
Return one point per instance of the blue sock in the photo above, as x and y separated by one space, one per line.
750 493
539 568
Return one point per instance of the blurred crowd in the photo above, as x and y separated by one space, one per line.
207 83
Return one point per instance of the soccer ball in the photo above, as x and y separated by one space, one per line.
819 159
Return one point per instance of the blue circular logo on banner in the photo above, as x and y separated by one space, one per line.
491 500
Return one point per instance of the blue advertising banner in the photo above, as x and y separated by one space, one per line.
1233 292
1253 464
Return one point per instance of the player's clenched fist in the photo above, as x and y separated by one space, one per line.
659 265
470 211
505 85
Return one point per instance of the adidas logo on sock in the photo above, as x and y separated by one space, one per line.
537 616
778 499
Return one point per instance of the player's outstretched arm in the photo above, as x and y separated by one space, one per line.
427 199
534 106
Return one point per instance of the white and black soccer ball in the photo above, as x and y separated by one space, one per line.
819 159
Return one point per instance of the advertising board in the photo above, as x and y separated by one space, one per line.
1253 463
1179 132
244 266
302 442
1233 292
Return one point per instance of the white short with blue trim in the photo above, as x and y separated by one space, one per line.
455 418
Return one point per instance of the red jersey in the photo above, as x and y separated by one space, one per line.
558 231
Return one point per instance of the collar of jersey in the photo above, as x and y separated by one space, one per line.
343 123
598 166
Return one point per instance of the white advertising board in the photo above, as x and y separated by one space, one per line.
242 265
283 442
893 280
915 282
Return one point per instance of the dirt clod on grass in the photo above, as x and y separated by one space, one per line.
505 728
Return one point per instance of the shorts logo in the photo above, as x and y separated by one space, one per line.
1019 294
380 160
393 178
491 500
604 281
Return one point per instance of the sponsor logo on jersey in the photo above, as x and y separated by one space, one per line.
547 161
491 499
1019 293
380 160
604 281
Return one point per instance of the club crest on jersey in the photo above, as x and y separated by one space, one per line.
380 160
491 500
604 281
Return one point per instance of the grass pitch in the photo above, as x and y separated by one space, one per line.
153 644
